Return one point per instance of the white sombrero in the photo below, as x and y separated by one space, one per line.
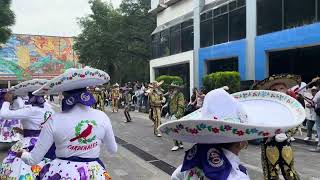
246 115
22 89
74 79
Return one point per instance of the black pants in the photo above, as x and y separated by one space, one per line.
310 125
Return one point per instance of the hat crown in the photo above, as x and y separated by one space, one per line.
220 105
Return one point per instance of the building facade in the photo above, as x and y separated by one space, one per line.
257 38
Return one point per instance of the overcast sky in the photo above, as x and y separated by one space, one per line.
50 17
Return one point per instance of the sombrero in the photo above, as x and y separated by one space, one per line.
74 79
155 84
289 80
115 85
22 89
242 116
176 84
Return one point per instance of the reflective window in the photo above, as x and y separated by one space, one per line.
164 43
187 35
237 21
269 16
206 33
175 39
220 24
297 13
229 64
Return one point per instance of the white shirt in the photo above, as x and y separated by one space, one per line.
310 112
235 173
18 103
61 129
302 85
30 117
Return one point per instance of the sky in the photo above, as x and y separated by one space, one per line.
51 17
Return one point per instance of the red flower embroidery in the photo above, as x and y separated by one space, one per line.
227 127
240 133
82 75
215 130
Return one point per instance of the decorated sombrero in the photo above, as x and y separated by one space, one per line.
116 85
289 80
74 79
155 84
25 87
246 115
176 84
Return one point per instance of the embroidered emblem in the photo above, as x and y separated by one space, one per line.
83 131
46 117
242 116
85 97
192 152
214 158
70 101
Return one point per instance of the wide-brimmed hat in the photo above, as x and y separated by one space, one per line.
22 89
176 84
314 88
242 116
115 85
74 79
155 84
289 80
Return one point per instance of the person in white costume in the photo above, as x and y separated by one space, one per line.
31 117
78 132
222 127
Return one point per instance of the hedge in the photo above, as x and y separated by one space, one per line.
220 79
167 80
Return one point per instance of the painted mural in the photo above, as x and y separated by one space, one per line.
26 56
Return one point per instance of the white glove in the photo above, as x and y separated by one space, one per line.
281 137
173 117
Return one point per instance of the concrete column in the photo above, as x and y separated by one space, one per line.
9 84
191 73
152 74
197 8
251 19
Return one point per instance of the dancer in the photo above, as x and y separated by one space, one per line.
276 152
222 127
155 100
31 116
78 132
176 108
7 126
127 103
115 96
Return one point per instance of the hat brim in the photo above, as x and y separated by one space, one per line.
269 113
74 79
22 89
289 80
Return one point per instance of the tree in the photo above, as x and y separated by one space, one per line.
117 40
7 19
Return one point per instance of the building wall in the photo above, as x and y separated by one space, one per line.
26 56
176 10
221 51
186 57
288 39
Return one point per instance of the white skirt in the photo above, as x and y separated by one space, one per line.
64 169
7 135
14 168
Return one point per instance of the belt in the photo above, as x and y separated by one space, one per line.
31 133
80 159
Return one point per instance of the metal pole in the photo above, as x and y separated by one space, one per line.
198 6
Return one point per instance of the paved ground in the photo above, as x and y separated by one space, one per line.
142 156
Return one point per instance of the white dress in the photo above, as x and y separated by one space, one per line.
78 133
7 135
31 118
197 174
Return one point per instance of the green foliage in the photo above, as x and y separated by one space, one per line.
220 79
167 80
7 19
117 40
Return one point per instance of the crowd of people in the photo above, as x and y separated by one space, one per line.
67 144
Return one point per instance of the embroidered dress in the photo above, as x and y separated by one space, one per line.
78 135
7 135
31 118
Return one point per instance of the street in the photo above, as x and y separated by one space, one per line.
143 156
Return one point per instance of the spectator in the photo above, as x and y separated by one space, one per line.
199 99
310 112
193 102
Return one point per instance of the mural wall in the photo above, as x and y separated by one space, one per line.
27 56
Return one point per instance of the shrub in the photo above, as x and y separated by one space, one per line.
220 79
167 80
